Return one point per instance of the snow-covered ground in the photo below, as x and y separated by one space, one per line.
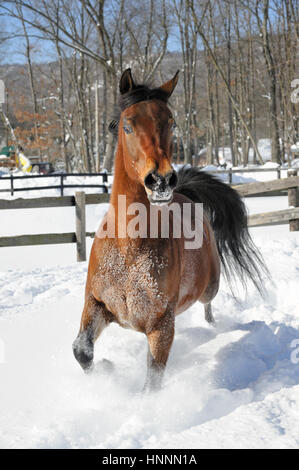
236 385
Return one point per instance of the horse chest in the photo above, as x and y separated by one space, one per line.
130 288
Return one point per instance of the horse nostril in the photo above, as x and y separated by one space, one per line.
173 180
150 181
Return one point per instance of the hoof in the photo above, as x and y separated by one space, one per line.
83 353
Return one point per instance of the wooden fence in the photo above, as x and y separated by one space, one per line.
291 215
231 171
61 186
79 236
288 216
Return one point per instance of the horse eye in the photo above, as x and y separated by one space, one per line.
173 125
128 130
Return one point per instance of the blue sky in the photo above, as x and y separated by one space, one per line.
43 50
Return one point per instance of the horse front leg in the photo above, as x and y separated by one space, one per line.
95 318
160 339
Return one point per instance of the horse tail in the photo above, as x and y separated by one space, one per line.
226 211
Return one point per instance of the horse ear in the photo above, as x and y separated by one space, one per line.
169 86
126 82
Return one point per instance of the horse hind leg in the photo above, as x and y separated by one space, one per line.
208 314
95 318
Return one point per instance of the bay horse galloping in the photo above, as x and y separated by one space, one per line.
142 282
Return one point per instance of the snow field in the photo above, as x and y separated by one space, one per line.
236 385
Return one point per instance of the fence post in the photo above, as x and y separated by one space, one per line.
80 225
61 185
105 181
230 176
293 200
11 185
278 172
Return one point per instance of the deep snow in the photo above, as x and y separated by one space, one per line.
230 386
236 385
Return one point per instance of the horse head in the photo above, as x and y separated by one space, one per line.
145 132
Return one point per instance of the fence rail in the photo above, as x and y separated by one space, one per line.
273 218
79 201
231 171
252 189
38 202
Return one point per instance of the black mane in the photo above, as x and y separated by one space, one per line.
139 93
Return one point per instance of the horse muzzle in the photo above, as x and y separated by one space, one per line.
160 188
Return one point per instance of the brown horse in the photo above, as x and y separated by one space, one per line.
142 282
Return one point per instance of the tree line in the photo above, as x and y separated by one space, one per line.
238 62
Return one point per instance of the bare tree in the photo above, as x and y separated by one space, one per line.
262 16
237 61
202 34
30 72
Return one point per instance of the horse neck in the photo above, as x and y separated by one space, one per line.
133 192
124 185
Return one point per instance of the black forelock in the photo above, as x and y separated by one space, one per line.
141 93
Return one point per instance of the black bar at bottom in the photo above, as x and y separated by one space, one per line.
137 458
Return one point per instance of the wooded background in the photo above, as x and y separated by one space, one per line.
239 74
